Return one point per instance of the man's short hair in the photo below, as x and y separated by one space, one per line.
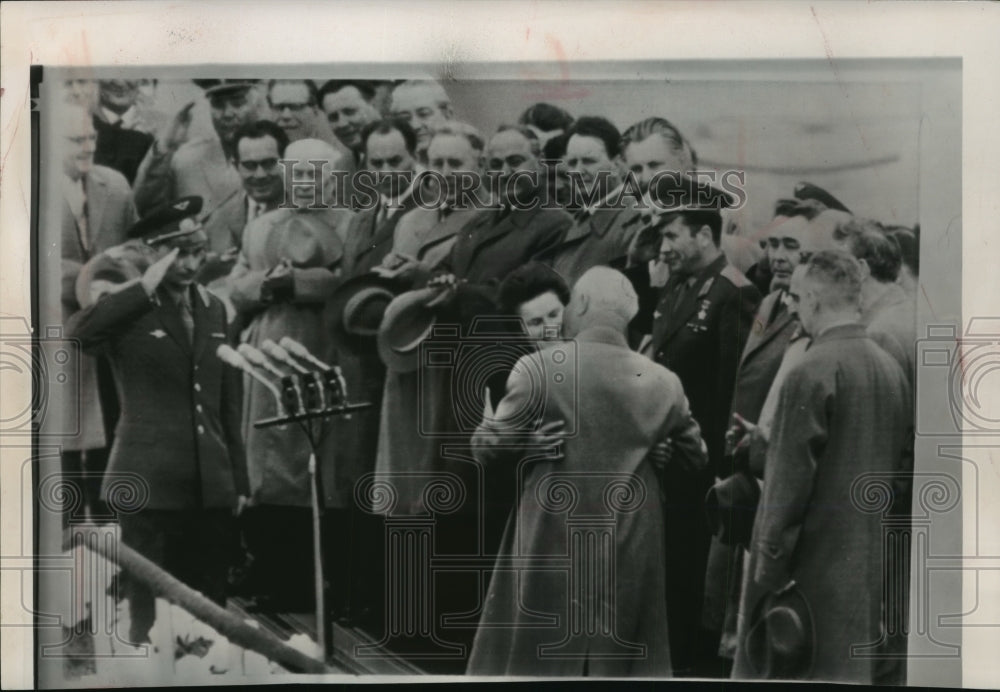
546 117
527 133
598 128
259 129
644 129
460 129
332 86
839 277
694 219
909 247
442 100
555 148
869 242
310 85
527 282
387 125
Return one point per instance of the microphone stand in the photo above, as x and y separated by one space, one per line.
307 422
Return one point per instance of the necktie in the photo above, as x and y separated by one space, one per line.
381 214
682 290
255 209
581 216
81 221
501 214
444 213
780 305
187 316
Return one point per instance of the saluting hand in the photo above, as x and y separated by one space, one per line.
157 270
176 133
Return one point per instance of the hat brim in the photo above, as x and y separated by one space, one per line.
763 658
356 343
399 347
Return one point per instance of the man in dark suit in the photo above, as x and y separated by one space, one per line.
122 137
700 326
259 148
520 229
601 231
179 433
390 148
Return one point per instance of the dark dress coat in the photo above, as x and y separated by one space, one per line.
365 247
599 238
618 404
494 244
180 405
842 412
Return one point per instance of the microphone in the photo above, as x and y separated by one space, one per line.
257 358
230 356
332 375
300 351
281 355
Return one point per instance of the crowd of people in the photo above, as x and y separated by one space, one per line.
649 422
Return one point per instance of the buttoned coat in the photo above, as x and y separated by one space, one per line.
110 213
842 415
489 247
617 404
410 397
601 238
277 458
179 430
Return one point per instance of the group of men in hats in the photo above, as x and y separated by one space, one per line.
619 336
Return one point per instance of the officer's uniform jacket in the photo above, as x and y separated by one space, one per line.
179 430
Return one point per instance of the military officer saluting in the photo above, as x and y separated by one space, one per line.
179 431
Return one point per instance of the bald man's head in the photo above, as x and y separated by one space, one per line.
601 297
314 163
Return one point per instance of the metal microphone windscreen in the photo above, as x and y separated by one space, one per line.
278 353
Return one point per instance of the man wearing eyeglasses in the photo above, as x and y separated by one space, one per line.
259 148
176 167
96 213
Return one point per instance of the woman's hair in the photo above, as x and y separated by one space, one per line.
530 281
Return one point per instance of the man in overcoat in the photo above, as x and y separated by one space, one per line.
840 424
287 270
543 616
95 213
178 442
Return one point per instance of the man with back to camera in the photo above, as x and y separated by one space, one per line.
842 412
176 167
622 405
179 429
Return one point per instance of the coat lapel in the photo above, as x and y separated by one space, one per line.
97 198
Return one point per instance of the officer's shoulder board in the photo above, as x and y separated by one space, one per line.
735 276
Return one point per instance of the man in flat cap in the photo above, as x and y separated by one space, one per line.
176 167
179 431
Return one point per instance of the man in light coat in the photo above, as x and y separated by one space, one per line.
842 413
287 271
615 405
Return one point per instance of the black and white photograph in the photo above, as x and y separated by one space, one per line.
411 369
